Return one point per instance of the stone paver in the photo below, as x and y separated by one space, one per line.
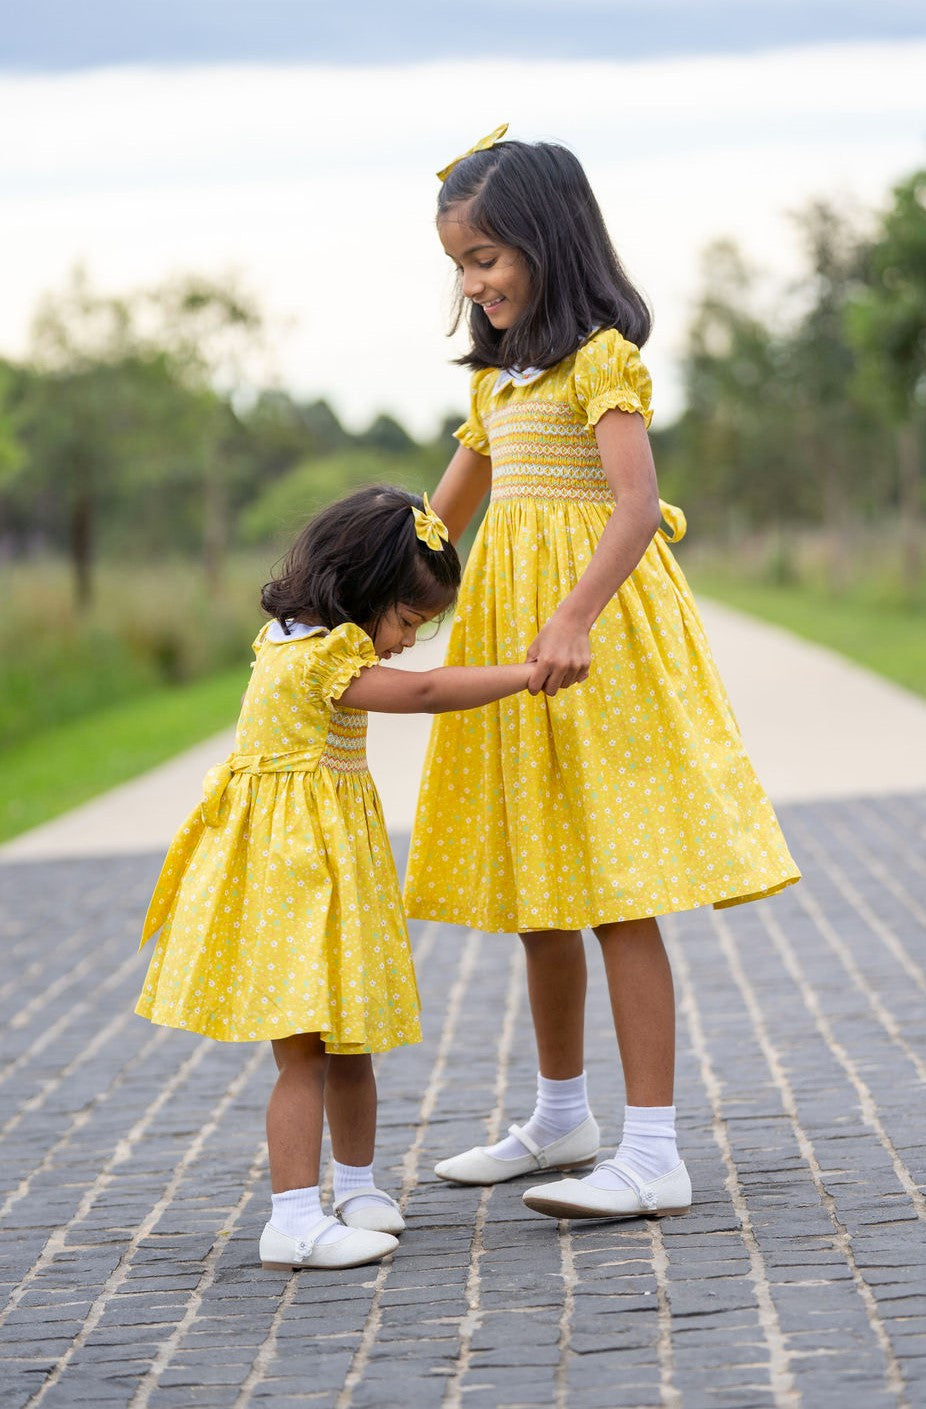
135 1182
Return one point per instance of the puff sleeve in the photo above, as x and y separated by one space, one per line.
259 640
609 375
333 661
472 433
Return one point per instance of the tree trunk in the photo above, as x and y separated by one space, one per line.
215 523
911 525
82 546
836 527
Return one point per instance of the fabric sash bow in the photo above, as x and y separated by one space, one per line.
221 774
676 521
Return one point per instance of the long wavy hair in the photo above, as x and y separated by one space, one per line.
358 558
536 197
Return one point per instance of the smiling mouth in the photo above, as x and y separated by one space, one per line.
487 307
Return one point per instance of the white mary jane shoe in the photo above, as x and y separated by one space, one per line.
477 1166
281 1253
575 1198
382 1217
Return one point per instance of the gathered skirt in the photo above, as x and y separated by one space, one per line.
630 795
284 917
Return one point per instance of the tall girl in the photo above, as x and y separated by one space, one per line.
630 796
278 903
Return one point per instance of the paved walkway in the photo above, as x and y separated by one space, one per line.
135 1181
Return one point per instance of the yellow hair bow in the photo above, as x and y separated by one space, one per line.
482 145
429 527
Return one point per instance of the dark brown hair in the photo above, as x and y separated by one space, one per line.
536 198
358 558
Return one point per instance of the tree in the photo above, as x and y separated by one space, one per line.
285 506
80 408
733 448
282 431
133 392
887 322
832 432
11 449
388 437
214 335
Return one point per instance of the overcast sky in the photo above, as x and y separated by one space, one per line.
315 179
55 34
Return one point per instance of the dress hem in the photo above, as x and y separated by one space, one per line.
331 1044
587 921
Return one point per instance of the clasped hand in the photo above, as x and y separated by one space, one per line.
561 654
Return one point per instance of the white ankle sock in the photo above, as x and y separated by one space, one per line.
356 1176
561 1106
296 1212
647 1149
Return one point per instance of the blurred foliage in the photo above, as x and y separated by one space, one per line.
134 430
142 442
277 514
151 625
806 408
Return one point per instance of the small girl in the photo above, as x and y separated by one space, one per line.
278 903
632 796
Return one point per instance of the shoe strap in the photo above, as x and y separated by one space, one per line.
529 1144
306 1246
642 1188
368 1191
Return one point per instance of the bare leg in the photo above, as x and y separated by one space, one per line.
350 1104
556 982
643 1004
646 1174
295 1112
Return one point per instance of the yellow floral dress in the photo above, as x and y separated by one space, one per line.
278 904
631 794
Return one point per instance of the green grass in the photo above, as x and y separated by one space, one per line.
152 626
888 640
65 766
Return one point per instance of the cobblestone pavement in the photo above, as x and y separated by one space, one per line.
135 1180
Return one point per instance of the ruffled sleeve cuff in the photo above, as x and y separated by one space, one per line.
616 400
610 375
337 659
472 435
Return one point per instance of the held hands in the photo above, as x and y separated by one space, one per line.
561 655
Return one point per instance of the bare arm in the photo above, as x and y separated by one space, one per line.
386 690
561 651
462 488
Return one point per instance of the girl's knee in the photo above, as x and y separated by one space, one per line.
623 929
555 943
301 1049
350 1068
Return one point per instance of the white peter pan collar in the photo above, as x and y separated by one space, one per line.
514 376
297 631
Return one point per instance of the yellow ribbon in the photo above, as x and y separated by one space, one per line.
676 521
429 527
220 775
482 145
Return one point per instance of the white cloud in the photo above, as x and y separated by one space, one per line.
317 184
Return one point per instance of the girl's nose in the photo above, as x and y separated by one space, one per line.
473 283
